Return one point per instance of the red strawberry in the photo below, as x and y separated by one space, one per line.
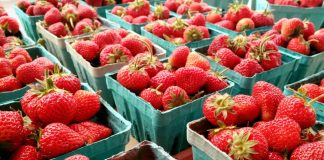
183 9
5 66
163 78
136 44
248 68
41 7
309 151
292 28
57 29
46 63
70 14
82 27
88 104
161 12
26 152
312 91
108 2
219 107
30 10
322 83
52 16
246 108
30 72
119 11
152 96
239 45
73 2
9 83
214 82
77 157
220 41
198 20
140 20
138 8
191 79
214 16
106 38
237 12
16 62
196 60
311 3
316 41
299 45
9 24
122 32
91 131
278 25
11 42
309 29
11 129
89 50
178 27
86 12
196 7
221 137
264 18
297 109
174 96
128 18
193 33
172 5
129 76
205 31
67 82
23 4
148 62
268 98
275 156
227 58
114 54
161 29
2 53
19 51
226 24
3 38
57 139
245 24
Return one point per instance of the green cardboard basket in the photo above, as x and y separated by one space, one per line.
315 78
167 129
28 22
105 147
34 51
278 76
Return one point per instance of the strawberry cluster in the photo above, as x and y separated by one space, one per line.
139 12
187 7
312 90
296 35
58 112
299 3
9 33
246 55
180 31
186 77
40 7
17 68
280 125
99 3
113 46
240 17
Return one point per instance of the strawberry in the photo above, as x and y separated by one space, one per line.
108 2
172 5
237 12
41 7
73 2
214 16
309 29
9 25
88 104
227 58
246 108
130 75
95 3
322 83
174 96
138 8
196 7
23 4
30 10
122 32
70 14
309 151
106 38
268 98
311 90
183 9
192 33
161 12
178 27
163 80
152 96
292 28
119 11
148 62
30 72
264 18
198 20
114 54
66 82
191 79
3 38
19 51
219 107
278 25
89 50
311 3
297 109
128 18
16 62
46 63
196 60
11 125
275 156
52 16
91 132
140 20
82 27
239 45
57 139
11 42
26 152
214 82
245 24
136 44
2 53
9 83
221 137
57 29
5 66
299 45
226 24
219 42
282 134
160 29
248 68
77 157
316 41
205 31
86 12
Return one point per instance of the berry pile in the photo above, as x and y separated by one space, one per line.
113 46
299 3
258 54
187 7
57 121
40 7
281 125
139 12
312 91
240 17
186 76
180 31
99 3
296 35
18 69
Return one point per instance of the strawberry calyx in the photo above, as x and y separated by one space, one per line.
158 12
216 11
117 56
222 104
194 34
241 147
137 4
260 52
109 2
179 24
222 126
239 42
219 75
235 6
177 100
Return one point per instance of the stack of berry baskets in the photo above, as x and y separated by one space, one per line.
311 87
106 52
70 119
160 99
299 38
249 59
73 20
265 125
22 67
311 10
